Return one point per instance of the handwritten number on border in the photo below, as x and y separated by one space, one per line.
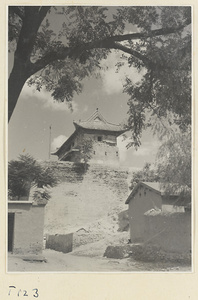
24 293
11 286
36 293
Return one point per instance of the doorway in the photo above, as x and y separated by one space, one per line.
10 232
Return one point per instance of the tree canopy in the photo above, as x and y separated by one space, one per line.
154 40
147 173
172 167
174 164
25 173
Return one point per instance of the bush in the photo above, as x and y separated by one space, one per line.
25 173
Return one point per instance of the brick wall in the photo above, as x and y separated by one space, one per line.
104 151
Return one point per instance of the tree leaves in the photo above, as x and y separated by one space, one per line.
174 164
159 44
26 173
172 168
86 149
147 174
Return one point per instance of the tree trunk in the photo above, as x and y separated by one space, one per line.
15 84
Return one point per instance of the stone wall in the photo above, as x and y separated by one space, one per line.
104 151
82 197
171 232
60 242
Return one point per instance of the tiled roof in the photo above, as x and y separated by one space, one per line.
155 186
161 188
98 122
65 144
158 188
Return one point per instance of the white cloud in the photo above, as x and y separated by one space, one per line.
46 99
85 109
147 149
57 142
112 80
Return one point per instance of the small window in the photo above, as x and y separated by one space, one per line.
105 153
116 153
140 194
73 144
99 139
94 152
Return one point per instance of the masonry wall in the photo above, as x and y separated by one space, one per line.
104 151
60 242
82 197
142 201
28 227
172 232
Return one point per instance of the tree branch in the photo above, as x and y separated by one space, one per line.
74 52
32 20
107 43
17 11
49 58
43 12
152 33
31 10
137 54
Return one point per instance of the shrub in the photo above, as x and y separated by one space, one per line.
25 173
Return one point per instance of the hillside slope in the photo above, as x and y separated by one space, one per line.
82 199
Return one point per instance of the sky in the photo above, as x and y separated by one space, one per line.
29 127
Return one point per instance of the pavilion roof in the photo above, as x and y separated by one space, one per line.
97 122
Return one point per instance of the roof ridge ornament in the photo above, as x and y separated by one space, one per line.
96 115
97 122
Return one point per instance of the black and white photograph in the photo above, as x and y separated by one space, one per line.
100 122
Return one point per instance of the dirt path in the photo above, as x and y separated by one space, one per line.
71 262
60 262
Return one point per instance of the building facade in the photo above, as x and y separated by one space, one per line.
25 226
103 140
148 196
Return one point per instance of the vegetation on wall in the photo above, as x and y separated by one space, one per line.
86 151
